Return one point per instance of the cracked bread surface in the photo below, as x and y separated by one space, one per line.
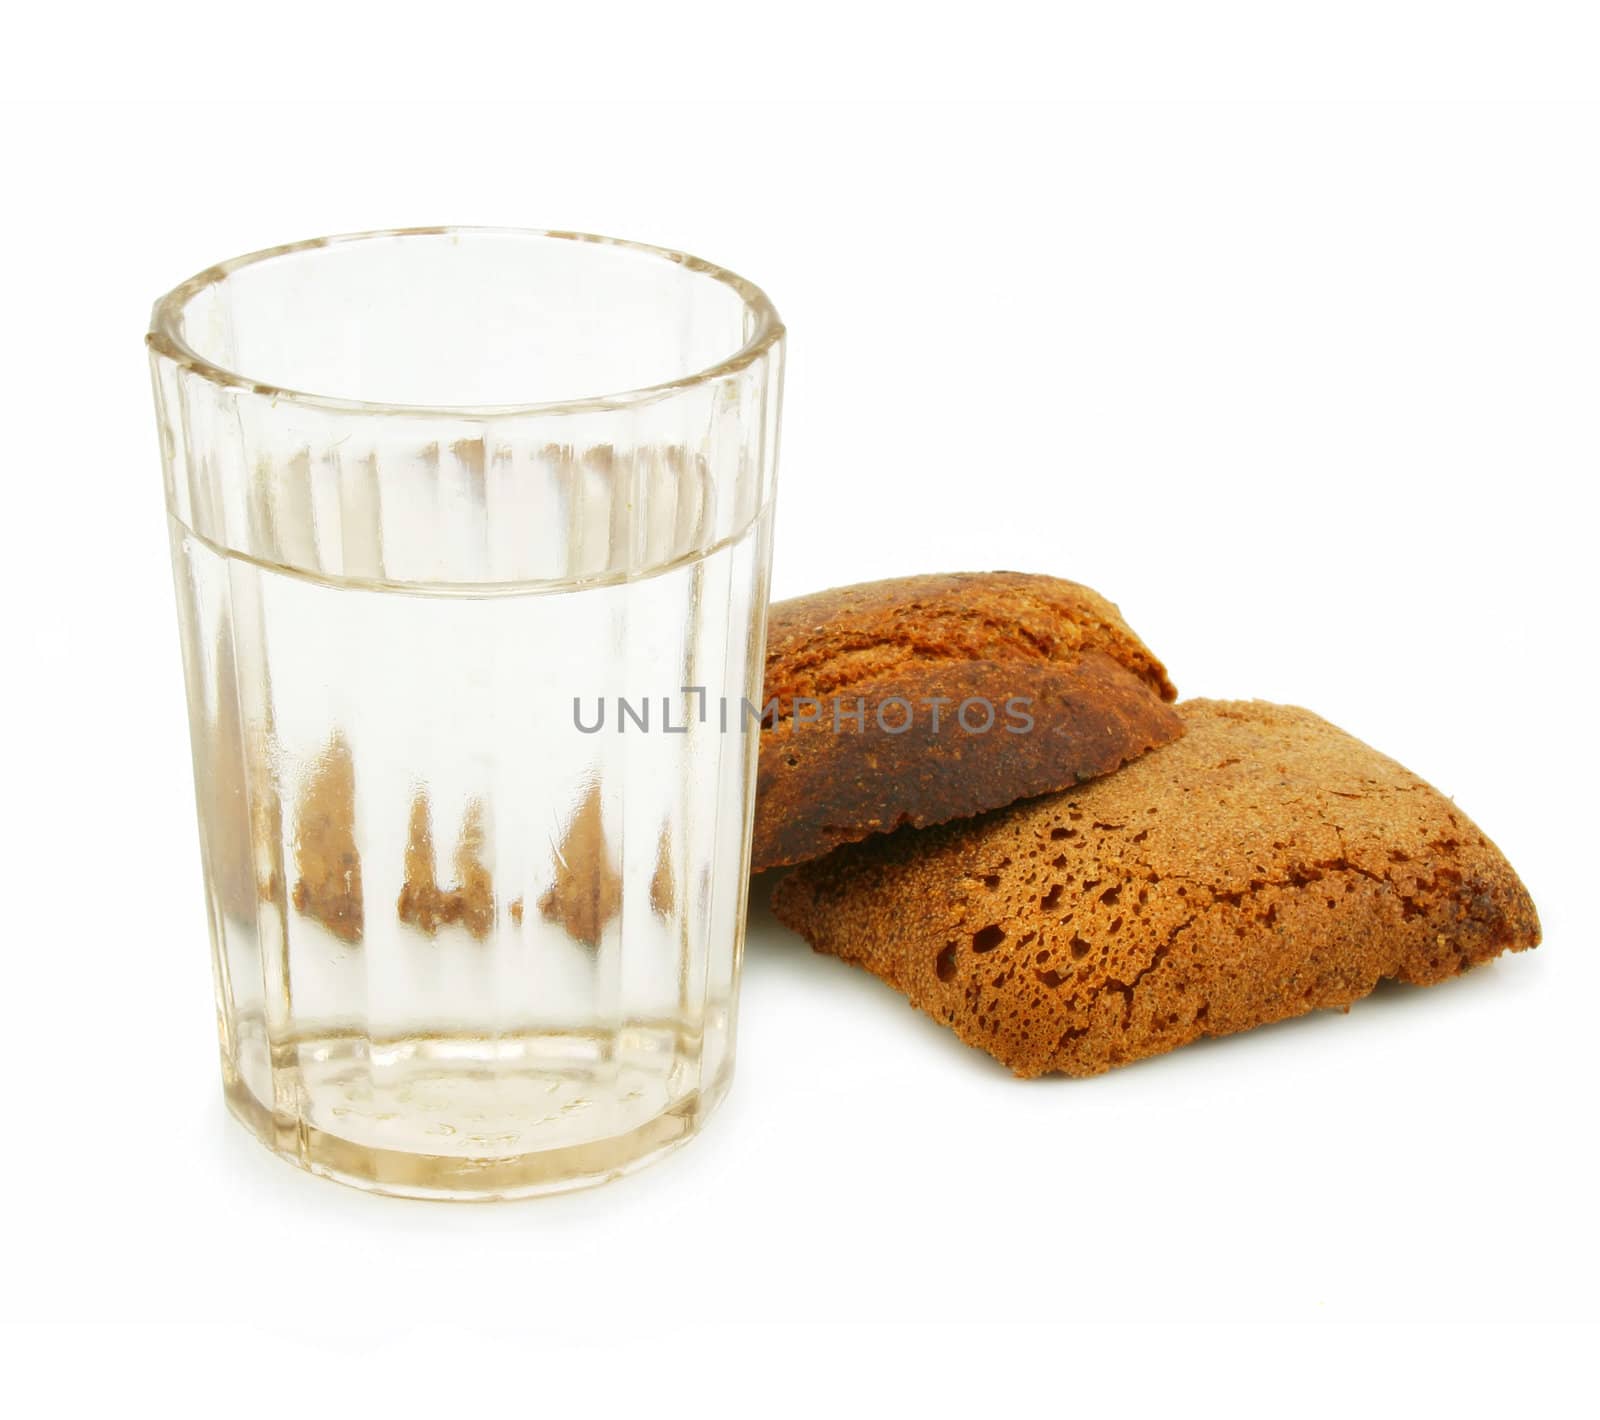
1095 694
1262 866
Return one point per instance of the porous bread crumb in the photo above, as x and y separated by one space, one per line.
1094 696
1262 866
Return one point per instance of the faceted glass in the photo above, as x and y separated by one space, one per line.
440 501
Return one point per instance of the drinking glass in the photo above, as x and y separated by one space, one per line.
470 533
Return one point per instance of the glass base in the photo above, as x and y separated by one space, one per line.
467 1167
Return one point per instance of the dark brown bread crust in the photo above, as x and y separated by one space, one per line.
1095 696
1264 865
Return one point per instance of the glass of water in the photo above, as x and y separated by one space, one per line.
470 533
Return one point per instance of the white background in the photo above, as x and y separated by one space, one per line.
1309 389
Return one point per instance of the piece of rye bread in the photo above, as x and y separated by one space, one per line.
918 649
1262 866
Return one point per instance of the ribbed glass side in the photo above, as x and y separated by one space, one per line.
473 774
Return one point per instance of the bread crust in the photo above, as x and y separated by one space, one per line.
1264 865
1095 698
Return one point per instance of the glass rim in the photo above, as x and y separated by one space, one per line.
164 337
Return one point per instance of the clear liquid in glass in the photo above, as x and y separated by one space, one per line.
466 944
